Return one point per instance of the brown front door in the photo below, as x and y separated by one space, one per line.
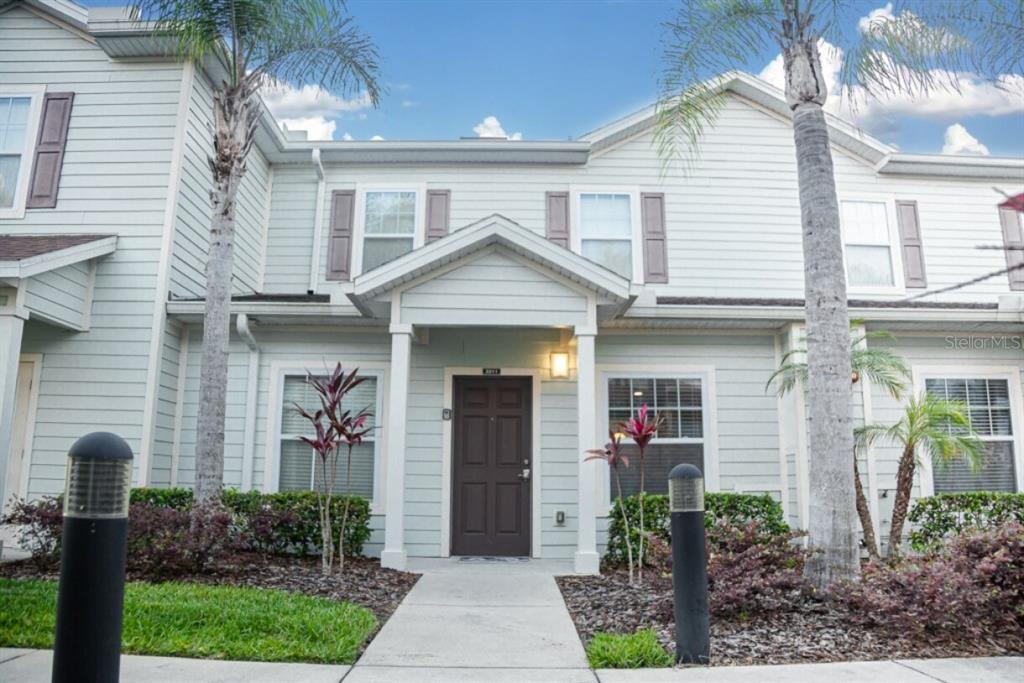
491 466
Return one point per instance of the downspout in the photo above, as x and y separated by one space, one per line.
249 439
318 222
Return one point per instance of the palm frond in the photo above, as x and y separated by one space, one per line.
707 38
786 377
883 367
314 40
930 46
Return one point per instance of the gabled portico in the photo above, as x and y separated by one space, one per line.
492 274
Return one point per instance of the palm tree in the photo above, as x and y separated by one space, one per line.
883 368
257 42
914 52
938 428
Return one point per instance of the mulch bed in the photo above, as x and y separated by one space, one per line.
364 582
809 631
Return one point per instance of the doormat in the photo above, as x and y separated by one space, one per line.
494 559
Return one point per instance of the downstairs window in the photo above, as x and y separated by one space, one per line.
300 469
680 401
988 402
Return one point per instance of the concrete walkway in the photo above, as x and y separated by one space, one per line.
478 620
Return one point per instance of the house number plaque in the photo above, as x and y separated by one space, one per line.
492 371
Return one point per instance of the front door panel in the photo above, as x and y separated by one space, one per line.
491 459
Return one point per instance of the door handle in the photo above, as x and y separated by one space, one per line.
525 474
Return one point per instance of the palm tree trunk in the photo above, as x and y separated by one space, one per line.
234 115
904 487
864 512
832 522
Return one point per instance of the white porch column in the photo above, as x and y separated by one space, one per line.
394 555
11 328
586 559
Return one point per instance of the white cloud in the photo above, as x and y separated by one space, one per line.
316 127
971 96
376 138
959 141
310 107
347 138
876 17
408 103
490 127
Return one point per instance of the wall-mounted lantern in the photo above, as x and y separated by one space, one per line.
560 365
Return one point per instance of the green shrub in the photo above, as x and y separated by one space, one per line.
177 498
739 509
627 651
940 517
285 523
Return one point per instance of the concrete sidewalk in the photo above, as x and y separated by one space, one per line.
33 666
478 620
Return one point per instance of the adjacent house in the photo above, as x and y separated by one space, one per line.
508 300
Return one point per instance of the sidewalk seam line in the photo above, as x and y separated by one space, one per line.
923 673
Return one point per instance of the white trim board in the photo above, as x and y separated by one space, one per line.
536 520
279 368
163 279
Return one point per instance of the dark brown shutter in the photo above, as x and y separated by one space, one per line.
910 238
438 206
339 250
49 155
652 221
557 227
1013 240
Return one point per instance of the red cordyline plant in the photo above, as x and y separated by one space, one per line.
641 428
613 455
333 426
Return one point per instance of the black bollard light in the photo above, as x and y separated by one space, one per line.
689 565
90 600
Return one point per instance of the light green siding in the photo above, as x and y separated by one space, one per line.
115 180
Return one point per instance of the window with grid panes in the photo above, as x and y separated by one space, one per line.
14 112
300 469
389 226
988 403
679 401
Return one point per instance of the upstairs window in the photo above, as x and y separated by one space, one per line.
867 242
988 402
606 231
15 143
389 227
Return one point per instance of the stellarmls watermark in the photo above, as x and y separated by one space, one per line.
1013 342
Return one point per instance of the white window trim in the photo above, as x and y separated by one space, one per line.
895 246
575 233
1012 375
279 369
359 222
709 405
35 93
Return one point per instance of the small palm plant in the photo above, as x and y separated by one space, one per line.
938 428
613 455
882 367
351 430
641 428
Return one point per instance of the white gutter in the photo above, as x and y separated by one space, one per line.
318 222
249 439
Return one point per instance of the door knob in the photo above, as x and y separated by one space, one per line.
525 474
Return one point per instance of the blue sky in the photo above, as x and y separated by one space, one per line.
557 69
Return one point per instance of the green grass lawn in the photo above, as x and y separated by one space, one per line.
193 620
